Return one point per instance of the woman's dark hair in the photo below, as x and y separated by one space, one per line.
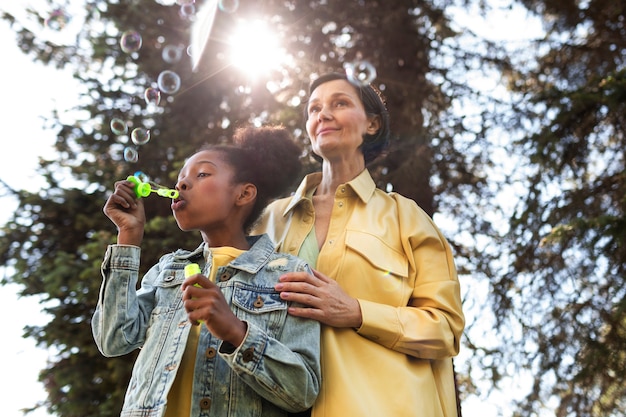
374 104
265 156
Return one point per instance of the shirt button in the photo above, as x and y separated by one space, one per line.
258 303
343 189
340 204
210 353
248 354
205 403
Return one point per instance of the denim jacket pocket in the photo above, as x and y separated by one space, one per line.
263 306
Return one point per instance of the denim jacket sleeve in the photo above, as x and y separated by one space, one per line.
121 317
284 369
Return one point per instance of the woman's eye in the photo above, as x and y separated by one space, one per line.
203 174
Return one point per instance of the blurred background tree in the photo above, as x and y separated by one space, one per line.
527 186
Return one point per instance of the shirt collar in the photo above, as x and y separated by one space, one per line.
363 185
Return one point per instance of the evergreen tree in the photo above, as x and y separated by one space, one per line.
564 286
56 239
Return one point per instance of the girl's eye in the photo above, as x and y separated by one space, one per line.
313 110
203 174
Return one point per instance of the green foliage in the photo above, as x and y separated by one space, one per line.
555 276
57 237
565 284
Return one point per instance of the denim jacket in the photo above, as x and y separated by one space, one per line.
275 370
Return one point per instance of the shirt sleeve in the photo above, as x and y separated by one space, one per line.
119 322
285 371
431 323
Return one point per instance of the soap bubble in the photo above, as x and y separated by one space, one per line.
152 96
360 73
172 53
130 41
143 177
228 6
187 10
118 126
140 136
169 82
130 154
57 20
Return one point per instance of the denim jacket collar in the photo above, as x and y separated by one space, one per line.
251 261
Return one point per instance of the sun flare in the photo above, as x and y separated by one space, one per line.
254 48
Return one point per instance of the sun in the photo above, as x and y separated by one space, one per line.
255 48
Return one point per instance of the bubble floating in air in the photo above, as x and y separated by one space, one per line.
172 53
187 11
152 96
57 20
360 73
130 41
168 82
118 126
228 6
140 136
130 154
143 177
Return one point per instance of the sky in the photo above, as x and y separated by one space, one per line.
30 92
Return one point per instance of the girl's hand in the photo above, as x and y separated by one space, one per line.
324 300
126 211
204 302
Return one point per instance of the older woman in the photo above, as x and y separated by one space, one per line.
384 285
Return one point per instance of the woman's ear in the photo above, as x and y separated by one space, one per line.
247 194
373 124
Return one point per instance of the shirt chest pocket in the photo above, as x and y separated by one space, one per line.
373 270
262 306
167 289
376 252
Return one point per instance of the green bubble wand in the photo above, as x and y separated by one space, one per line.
144 188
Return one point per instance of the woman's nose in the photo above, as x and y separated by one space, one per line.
324 114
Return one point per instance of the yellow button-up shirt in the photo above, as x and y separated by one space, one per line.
388 254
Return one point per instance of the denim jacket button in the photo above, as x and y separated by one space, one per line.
224 277
205 403
258 303
168 278
248 354
210 353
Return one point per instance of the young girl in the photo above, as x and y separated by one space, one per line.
218 343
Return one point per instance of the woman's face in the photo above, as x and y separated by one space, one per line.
207 193
337 121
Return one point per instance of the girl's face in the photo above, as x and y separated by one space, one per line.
208 197
337 121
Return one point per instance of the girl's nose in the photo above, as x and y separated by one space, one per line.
181 185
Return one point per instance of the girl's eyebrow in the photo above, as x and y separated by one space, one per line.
203 162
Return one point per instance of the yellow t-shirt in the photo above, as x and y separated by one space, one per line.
179 396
